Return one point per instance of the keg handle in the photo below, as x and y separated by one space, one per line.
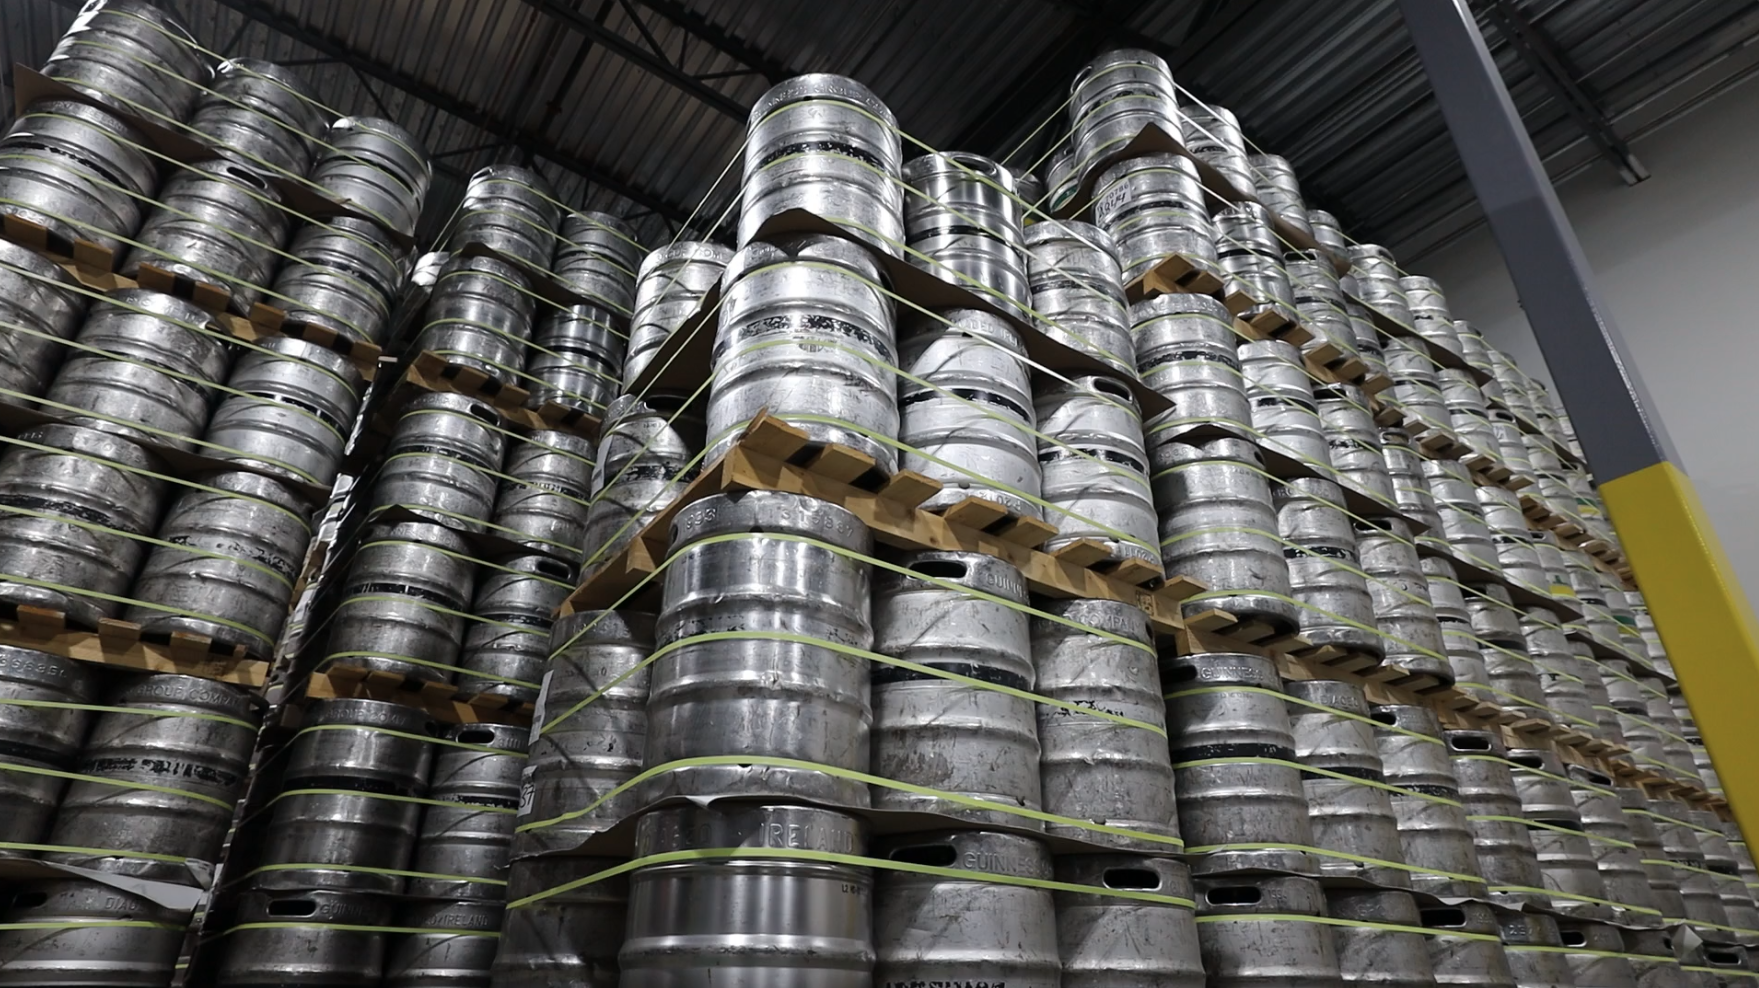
1142 879
1234 895
931 855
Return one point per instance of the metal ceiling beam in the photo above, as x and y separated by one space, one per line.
477 117
1553 69
638 54
721 40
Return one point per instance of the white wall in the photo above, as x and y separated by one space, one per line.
1677 262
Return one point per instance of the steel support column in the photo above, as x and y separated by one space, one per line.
1704 619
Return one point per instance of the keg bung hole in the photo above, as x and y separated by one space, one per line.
940 569
1234 895
293 907
1444 917
29 900
1132 878
930 855
1470 741
477 735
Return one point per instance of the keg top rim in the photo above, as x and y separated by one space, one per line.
103 119
770 512
1174 304
814 86
697 251
74 677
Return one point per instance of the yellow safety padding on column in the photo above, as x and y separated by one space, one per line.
1704 618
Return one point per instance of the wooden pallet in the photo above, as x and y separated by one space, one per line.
122 644
984 515
1217 625
1177 275
429 371
1266 325
442 701
93 266
1339 366
772 455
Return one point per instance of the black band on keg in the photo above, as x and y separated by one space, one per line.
1329 551
1055 453
886 674
1365 774
802 322
832 147
1440 792
1204 752
51 506
405 590
1179 356
969 394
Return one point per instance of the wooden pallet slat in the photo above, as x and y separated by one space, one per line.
442 701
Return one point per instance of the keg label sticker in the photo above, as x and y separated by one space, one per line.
527 784
537 711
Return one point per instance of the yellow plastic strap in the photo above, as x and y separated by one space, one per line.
356 928
1351 923
82 924
851 860
118 783
134 711
406 735
101 852
1537 825
1556 894
369 870
1311 704
1328 773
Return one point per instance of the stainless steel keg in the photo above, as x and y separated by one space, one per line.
74 504
1077 291
1328 232
575 358
962 224
1432 821
546 492
479 314
590 727
668 288
566 937
164 766
344 274
39 739
1186 349
1251 254
1284 415
219 221
404 602
1218 527
227 556
1109 941
599 257
647 455
1465 947
1099 655
1276 186
456 946
751 922
966 416
1349 813
41 308
379 168
73 931
263 113
149 371
806 333
1354 441
1566 855
1506 857
289 408
1531 943
506 645
958 929
1114 97
1212 133
763 564
1463 528
312 938
133 56
1615 852
1095 469
512 210
442 460
1258 931
1233 758
1153 207
1327 577
1515 553
466 835
1411 491
828 145
1404 612
1429 312
1379 956
961 613
79 171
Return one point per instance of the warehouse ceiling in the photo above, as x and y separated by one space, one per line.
637 107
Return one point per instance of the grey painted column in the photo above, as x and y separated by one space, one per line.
1606 399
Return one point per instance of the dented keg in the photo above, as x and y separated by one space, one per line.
512 210
668 287
828 145
226 559
78 171
466 830
218 221
1506 857
41 309
377 167
1218 527
806 333
567 937
311 937
347 755
55 482
73 931
1403 610
1354 441
344 274
1463 946
1257 931
945 734
149 371
1616 855
442 459
1233 759
1095 469
750 922
289 408
545 492
646 458
1320 548
1109 941
1186 350
456 946
403 603
963 224
479 314
1333 733
574 359
784 570
1370 954
970 423
43 737
1093 768
943 929
1284 415
505 647
590 729
133 56
1153 208
263 113
599 258
163 768
1531 943
1077 291
1432 822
